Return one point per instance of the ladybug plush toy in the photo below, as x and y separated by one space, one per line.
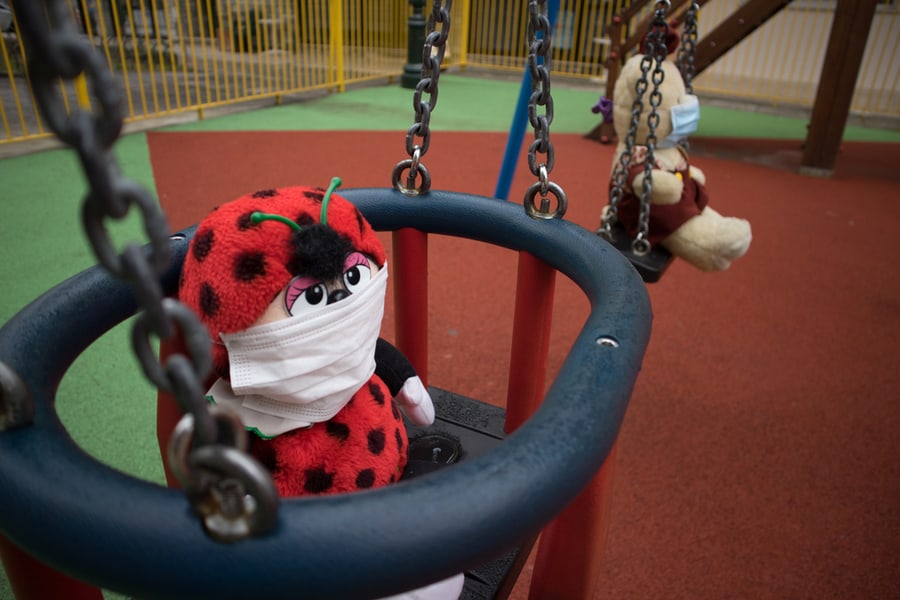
291 284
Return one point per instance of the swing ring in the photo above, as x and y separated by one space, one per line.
544 211
236 497
640 246
415 168
182 439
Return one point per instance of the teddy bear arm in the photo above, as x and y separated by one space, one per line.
666 187
697 175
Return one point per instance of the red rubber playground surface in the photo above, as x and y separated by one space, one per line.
759 455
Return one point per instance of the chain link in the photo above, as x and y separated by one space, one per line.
539 37
652 59
686 50
435 39
59 51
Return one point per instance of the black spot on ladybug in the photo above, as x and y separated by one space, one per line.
395 410
264 453
314 195
203 244
249 265
377 394
209 300
244 222
318 480
399 437
393 478
376 441
305 220
365 478
265 193
360 221
337 430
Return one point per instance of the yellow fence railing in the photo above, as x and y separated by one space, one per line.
180 56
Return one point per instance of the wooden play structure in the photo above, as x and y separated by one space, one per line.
846 45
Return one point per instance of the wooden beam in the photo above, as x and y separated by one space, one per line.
732 30
846 46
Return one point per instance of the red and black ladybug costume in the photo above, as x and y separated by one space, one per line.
236 266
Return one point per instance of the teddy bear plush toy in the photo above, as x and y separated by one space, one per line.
680 218
290 284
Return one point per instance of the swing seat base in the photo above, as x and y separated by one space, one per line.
464 429
650 266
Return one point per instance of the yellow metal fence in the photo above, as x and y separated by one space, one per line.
178 56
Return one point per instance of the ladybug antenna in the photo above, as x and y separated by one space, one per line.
258 217
335 184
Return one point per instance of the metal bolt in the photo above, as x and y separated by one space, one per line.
607 341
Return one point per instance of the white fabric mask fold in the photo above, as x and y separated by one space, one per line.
301 370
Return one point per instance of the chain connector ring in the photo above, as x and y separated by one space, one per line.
229 430
233 493
640 246
230 490
544 212
415 169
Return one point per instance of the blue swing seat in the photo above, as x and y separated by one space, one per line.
102 526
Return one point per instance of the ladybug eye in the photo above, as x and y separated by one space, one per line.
357 272
304 294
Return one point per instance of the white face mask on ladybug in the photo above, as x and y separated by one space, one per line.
302 370
685 117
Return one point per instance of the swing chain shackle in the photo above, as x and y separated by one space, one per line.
539 37
59 51
435 39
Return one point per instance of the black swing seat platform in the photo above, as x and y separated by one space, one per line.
111 530
652 265
464 429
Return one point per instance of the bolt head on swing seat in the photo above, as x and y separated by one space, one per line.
650 266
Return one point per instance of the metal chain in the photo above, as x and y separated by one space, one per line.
428 84
539 37
57 51
686 51
653 58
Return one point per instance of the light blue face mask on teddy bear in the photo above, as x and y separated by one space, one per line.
685 116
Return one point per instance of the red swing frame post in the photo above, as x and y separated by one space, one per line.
31 579
571 547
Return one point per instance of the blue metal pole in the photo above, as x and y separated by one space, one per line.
520 119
